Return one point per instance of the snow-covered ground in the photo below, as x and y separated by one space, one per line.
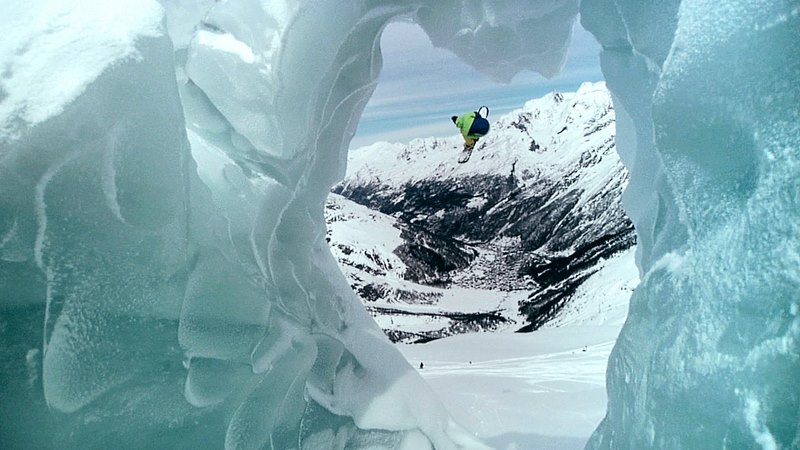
540 390
363 240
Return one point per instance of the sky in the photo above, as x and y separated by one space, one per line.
421 87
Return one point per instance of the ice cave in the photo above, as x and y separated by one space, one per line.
164 279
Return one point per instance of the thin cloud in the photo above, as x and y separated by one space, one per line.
399 135
420 86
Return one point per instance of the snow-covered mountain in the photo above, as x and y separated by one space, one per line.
372 249
502 241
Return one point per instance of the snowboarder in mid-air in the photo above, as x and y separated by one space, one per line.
473 126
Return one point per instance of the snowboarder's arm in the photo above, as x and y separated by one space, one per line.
464 122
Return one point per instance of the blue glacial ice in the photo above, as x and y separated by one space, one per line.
164 276
708 104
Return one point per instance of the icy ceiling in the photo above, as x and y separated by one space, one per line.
164 278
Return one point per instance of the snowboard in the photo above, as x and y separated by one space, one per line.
465 154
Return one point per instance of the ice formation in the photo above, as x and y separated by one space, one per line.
161 221
164 279
707 104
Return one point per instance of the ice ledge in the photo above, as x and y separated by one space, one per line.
52 50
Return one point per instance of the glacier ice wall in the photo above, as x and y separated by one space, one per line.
164 277
707 104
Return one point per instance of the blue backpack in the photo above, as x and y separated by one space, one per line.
480 126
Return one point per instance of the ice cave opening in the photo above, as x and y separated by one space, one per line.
164 275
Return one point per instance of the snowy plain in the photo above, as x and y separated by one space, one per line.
542 390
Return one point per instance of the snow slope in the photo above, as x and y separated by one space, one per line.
542 390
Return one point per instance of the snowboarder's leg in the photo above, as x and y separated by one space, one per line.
469 145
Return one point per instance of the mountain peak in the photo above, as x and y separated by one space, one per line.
533 211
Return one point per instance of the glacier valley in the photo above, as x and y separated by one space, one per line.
525 224
165 281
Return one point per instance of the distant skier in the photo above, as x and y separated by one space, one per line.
473 126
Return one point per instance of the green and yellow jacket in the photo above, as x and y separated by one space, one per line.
465 124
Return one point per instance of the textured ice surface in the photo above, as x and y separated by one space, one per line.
164 279
707 108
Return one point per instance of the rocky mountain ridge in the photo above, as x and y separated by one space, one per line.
529 217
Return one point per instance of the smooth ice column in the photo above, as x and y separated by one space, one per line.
634 48
501 39
234 59
709 357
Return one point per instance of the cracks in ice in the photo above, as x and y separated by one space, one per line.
755 422
12 231
40 208
109 174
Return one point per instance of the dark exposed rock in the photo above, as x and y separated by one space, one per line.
530 228
430 258
561 276
371 292
458 324
441 233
